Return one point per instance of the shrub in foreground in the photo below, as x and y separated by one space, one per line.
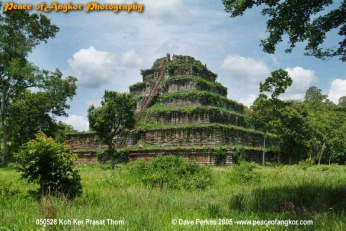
51 165
244 172
171 172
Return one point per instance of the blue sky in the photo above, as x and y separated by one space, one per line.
106 51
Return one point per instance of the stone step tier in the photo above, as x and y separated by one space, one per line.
193 69
202 155
194 99
188 83
200 115
179 84
203 135
198 155
199 98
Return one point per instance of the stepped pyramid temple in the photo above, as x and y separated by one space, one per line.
182 110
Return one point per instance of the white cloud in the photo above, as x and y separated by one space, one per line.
337 90
248 101
77 122
246 67
302 80
274 59
131 59
93 68
245 75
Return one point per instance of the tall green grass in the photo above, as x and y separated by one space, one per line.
284 192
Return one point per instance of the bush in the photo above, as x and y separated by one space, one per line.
171 172
305 164
238 155
51 165
245 172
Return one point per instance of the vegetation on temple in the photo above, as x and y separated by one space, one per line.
196 69
138 86
159 112
205 98
200 83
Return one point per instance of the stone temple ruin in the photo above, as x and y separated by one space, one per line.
182 110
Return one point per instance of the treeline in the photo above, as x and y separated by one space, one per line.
313 129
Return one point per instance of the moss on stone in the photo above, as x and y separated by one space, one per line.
192 69
206 98
138 86
200 83
145 146
151 126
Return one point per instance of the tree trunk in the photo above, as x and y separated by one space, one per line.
279 158
4 148
321 153
111 151
43 189
4 131
113 162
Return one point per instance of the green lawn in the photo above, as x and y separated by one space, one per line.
316 193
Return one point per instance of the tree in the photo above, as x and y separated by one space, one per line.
302 21
288 121
262 111
20 32
112 119
314 94
51 165
285 119
31 112
314 128
296 132
342 102
323 120
276 84
337 144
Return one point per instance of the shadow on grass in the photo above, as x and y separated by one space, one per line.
305 198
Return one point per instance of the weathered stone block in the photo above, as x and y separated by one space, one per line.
203 135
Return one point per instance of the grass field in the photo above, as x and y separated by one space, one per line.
316 193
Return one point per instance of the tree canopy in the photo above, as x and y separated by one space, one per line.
20 33
115 116
307 21
314 128
277 83
31 112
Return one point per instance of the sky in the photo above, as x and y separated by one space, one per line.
107 50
